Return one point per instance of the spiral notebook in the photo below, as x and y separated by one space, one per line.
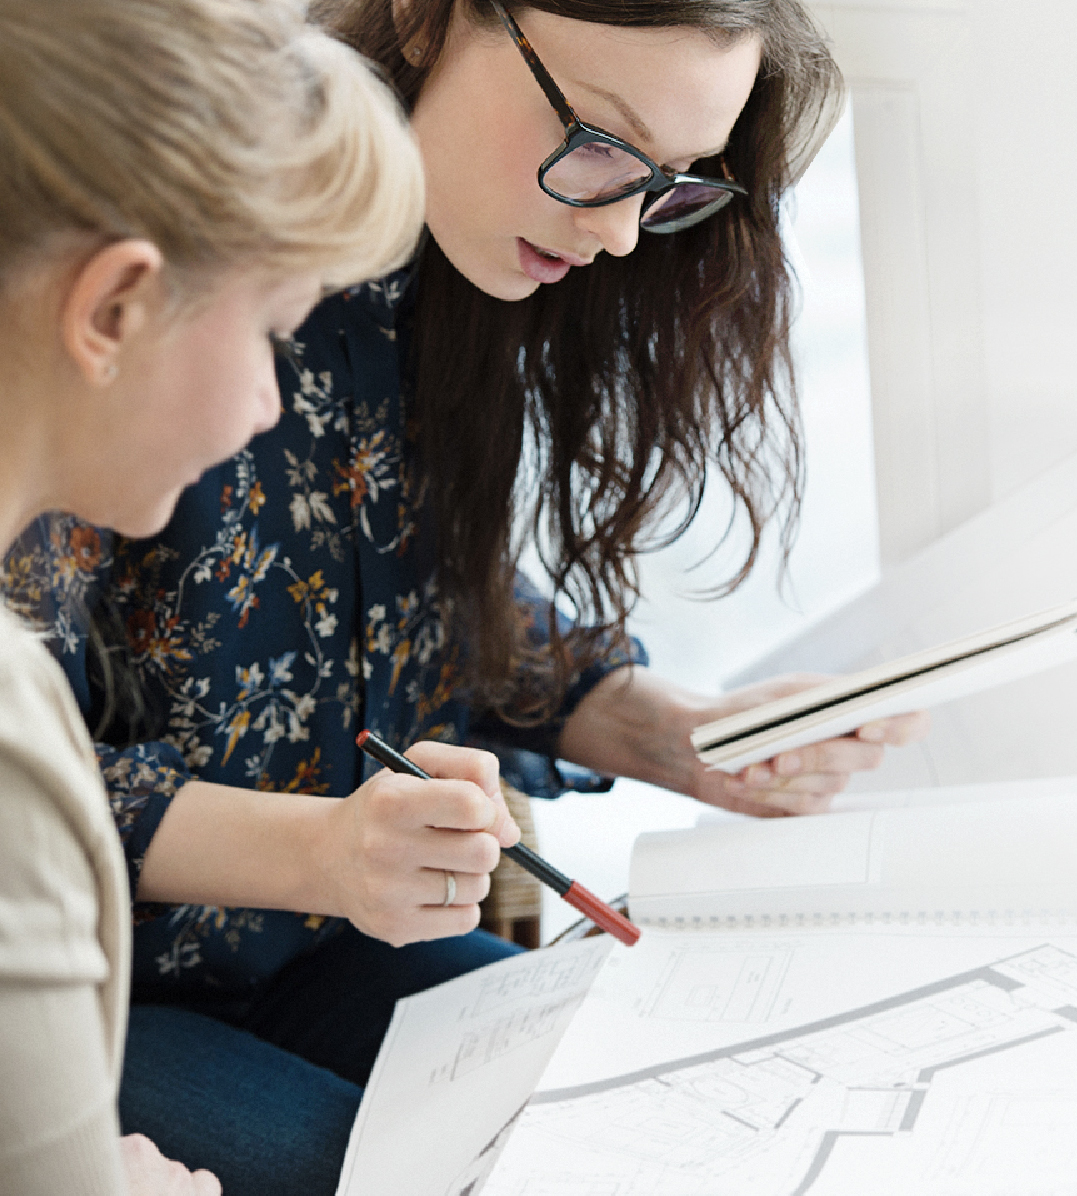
915 682
958 862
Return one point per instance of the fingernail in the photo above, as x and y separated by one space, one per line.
871 733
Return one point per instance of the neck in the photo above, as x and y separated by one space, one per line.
27 467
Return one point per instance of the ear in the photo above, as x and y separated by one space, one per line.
107 302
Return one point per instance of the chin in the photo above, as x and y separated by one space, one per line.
508 284
510 289
148 520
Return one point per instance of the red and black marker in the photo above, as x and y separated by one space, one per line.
603 915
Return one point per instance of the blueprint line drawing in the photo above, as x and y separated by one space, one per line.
718 986
514 1008
456 1069
547 976
477 1172
770 1115
479 1047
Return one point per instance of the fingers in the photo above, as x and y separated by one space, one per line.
842 756
810 794
398 836
796 782
480 768
149 1173
897 731
467 889
447 761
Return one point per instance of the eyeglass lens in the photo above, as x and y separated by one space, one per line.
597 171
682 205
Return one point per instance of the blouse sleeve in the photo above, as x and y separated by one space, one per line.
54 577
528 753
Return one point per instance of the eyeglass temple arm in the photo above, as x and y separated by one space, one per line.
542 76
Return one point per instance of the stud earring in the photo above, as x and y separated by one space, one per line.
110 372
415 49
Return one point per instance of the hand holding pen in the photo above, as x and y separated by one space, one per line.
603 915
407 860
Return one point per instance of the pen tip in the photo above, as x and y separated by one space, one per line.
362 737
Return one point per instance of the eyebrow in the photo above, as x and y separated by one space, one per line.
635 122
631 116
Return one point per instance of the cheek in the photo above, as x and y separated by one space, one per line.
219 400
241 397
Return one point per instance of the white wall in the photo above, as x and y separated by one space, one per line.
966 114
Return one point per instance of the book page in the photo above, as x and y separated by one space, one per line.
971 860
948 795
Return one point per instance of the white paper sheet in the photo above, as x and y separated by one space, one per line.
923 1054
457 1066
935 1063
929 1049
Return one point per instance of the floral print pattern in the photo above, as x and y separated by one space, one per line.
290 600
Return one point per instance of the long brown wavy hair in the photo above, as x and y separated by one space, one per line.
630 380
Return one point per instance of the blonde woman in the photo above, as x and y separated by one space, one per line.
180 180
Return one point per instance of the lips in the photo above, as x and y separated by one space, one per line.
544 265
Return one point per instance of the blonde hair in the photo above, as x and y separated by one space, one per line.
231 133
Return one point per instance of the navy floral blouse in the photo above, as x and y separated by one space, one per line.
289 602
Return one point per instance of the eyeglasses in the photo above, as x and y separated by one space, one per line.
592 168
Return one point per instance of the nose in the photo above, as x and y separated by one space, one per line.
616 225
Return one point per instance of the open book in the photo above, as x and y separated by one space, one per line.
914 682
881 1000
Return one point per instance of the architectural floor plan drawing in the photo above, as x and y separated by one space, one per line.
514 1008
965 1085
720 986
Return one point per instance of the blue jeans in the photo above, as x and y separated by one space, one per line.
263 1093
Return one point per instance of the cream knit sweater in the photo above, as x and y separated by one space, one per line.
64 938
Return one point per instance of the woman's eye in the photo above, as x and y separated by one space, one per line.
597 149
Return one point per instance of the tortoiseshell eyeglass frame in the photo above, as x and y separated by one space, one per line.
578 133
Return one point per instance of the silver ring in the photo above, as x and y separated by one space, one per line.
450 889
